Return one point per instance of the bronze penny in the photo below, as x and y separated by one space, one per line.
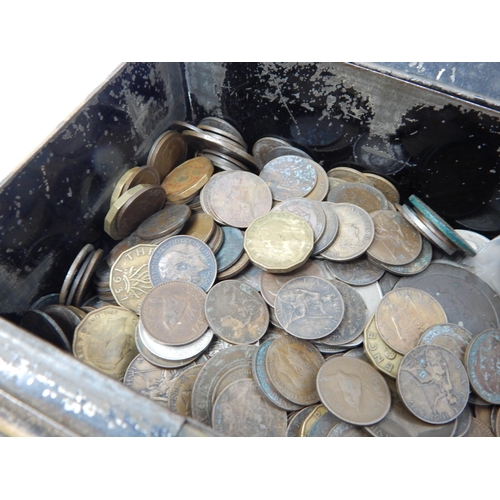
387 188
164 222
104 339
453 337
396 241
235 269
223 125
331 228
237 372
67 318
297 419
483 365
478 429
292 365
226 135
222 161
433 384
263 146
241 410
200 225
141 175
404 314
78 278
347 174
167 152
362 195
320 190
353 390
179 396
309 307
87 276
343 429
216 240
236 312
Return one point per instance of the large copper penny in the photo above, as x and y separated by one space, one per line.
292 365
387 188
404 314
164 222
236 312
183 258
453 337
172 313
179 396
433 384
168 151
483 365
241 410
309 307
353 390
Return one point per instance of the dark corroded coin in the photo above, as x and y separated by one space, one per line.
356 272
309 307
65 317
172 313
236 312
353 390
453 337
292 366
433 384
45 327
231 249
183 258
483 365
241 410
164 222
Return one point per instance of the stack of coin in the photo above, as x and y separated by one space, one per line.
132 177
167 152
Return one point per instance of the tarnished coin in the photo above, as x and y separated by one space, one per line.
225 134
464 421
251 276
236 312
284 151
311 419
344 429
355 235
309 307
179 396
433 384
231 249
323 425
224 125
453 337
356 272
222 161
362 195
104 339
199 225
85 280
241 410
216 240
483 365
164 222
309 210
264 146
167 152
331 228
404 314
387 188
237 372
279 242
129 278
347 174
79 277
320 191
183 258
289 177
396 242
298 418
172 313
132 177
353 390
45 327
292 366
235 269
67 318
380 354
73 271
478 429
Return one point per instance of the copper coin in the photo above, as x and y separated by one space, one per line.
478 429
363 195
353 390
396 241
231 249
387 188
453 337
237 372
235 269
323 425
320 191
241 410
141 175
183 258
292 366
433 384
164 222
309 307
216 240
358 272
225 134
222 161
86 279
347 174
343 429
263 147
179 396
483 365
312 418
355 235
236 312
167 152
78 278
289 177
199 225
404 314
67 318
172 313
297 419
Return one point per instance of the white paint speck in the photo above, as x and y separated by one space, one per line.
440 73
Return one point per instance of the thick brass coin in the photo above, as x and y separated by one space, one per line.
483 365
164 222
353 390
292 366
453 337
289 177
129 278
396 241
104 339
167 152
309 307
362 195
172 313
355 235
297 419
236 312
279 242
404 314
241 410
433 384
179 397
142 175
183 258
323 425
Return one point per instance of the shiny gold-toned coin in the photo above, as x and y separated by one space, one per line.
167 152
104 339
279 242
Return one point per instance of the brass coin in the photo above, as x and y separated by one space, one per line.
387 188
172 313
323 425
482 361
104 339
167 152
289 177
142 175
347 174
355 235
164 222
453 337
404 314
73 270
129 278
236 312
238 198
179 396
241 410
292 365
362 195
297 419
396 241
433 384
353 390
200 225
279 242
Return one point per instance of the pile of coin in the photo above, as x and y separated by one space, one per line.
265 296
